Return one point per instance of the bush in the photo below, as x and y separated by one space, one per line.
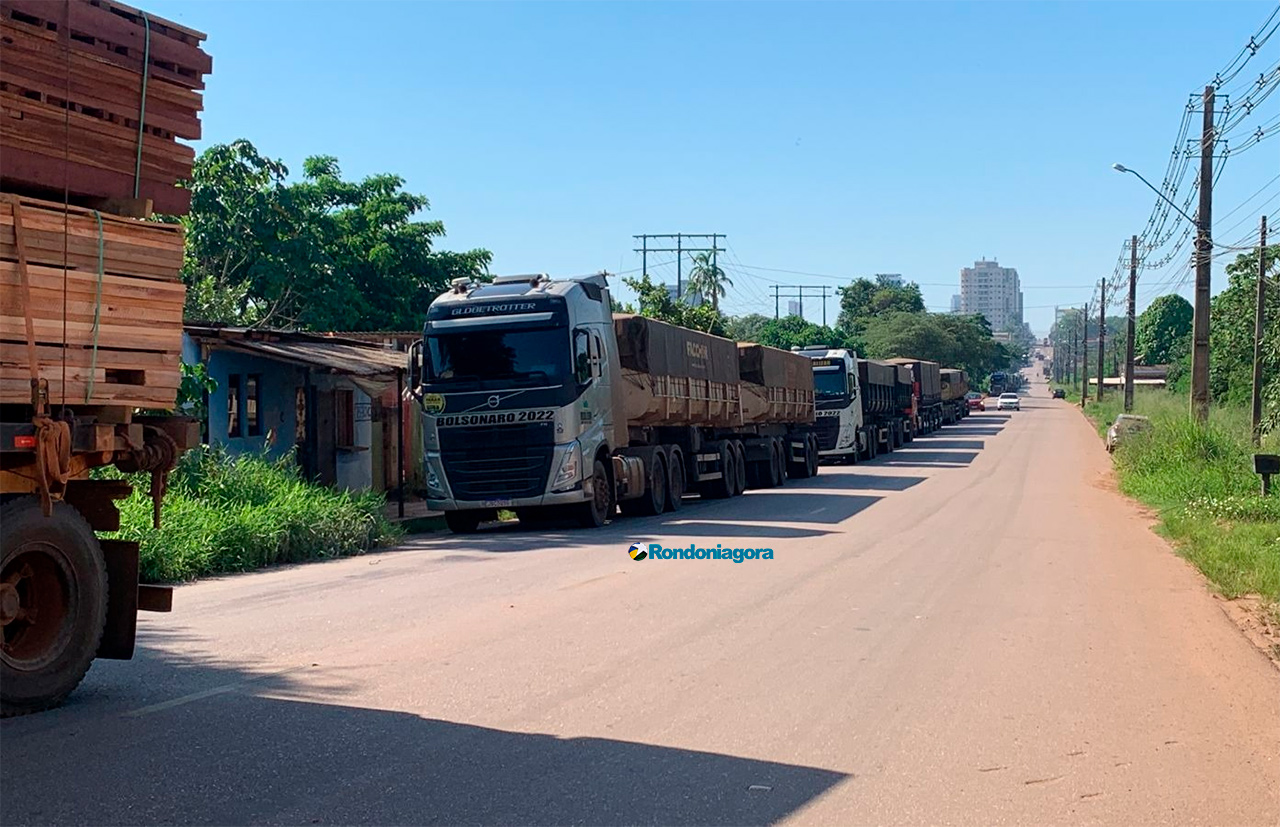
224 514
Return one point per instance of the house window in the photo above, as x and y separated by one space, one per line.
233 406
344 416
253 404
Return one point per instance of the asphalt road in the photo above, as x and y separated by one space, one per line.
976 629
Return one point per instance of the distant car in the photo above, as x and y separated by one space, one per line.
1008 402
1125 425
1059 393
974 401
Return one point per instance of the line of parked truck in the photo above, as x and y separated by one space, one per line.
537 398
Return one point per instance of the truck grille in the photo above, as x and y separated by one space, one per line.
497 461
827 429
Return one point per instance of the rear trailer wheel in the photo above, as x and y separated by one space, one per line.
722 488
777 463
462 522
53 604
596 511
740 469
805 465
675 480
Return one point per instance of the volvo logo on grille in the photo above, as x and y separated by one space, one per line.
493 401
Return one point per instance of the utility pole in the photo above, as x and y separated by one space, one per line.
679 266
1128 345
644 250
1102 336
1084 362
1259 319
1075 346
799 293
1204 262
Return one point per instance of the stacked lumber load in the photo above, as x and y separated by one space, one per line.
103 300
75 79
95 98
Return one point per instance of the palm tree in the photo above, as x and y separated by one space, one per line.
707 279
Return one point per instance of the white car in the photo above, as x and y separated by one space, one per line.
1008 402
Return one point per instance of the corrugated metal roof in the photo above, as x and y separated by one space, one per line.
328 353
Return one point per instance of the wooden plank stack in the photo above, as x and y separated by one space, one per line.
100 293
71 92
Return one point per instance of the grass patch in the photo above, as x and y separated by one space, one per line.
224 514
1200 478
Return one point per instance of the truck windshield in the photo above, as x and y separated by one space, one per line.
534 356
829 384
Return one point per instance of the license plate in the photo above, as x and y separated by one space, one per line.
500 503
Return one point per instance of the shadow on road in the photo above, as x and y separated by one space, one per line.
909 457
841 477
736 531
972 444
244 751
971 430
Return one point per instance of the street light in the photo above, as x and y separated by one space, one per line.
1165 198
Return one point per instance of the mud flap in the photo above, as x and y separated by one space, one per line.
122 599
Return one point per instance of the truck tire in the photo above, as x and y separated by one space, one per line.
596 511
654 499
777 464
813 456
675 479
53 604
722 489
740 467
806 466
463 522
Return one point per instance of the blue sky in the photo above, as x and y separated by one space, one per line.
840 139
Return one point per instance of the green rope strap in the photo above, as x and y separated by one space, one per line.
142 108
97 314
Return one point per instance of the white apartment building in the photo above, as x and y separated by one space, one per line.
993 291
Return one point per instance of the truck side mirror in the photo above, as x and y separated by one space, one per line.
415 369
597 356
582 356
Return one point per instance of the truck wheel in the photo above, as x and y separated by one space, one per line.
722 488
594 512
812 456
654 500
462 522
740 467
675 480
804 466
777 464
873 443
53 604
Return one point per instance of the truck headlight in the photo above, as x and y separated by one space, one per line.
570 472
433 482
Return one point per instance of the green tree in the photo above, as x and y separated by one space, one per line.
1232 327
656 303
952 340
794 331
707 279
1163 331
321 253
864 299
746 328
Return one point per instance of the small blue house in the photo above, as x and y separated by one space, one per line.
336 402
